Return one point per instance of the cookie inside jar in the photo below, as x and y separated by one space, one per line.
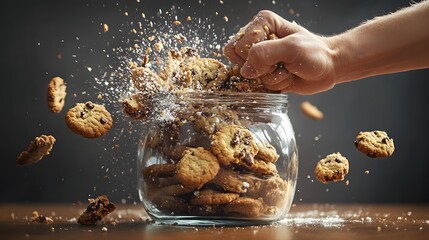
219 160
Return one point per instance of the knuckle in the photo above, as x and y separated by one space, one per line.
257 51
264 13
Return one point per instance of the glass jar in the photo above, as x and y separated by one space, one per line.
218 158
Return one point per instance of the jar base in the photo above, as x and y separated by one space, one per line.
193 221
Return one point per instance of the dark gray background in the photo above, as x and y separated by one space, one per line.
34 32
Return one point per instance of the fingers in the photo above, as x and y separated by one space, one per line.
257 30
229 52
229 49
262 56
254 33
297 87
278 80
238 46
300 86
278 25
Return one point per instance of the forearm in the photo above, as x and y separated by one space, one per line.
393 43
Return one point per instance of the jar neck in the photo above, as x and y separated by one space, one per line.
264 102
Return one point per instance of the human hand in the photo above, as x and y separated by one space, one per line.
298 61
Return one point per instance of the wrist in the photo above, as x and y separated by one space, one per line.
340 51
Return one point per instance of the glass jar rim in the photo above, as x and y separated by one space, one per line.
274 99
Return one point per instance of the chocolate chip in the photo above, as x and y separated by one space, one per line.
385 140
190 52
236 139
356 143
207 114
103 120
42 218
89 105
248 159
82 114
338 160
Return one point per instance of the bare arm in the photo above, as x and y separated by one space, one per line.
312 63
392 43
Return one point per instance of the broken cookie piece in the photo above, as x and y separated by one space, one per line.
37 149
97 209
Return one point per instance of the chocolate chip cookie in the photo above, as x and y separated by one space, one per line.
89 120
267 152
138 106
159 170
375 144
311 111
259 167
146 80
245 207
56 94
234 144
197 167
272 190
229 180
212 197
332 168
213 118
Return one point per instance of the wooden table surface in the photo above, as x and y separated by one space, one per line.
305 221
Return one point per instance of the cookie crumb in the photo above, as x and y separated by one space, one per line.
267 30
158 46
40 218
366 172
105 28
179 37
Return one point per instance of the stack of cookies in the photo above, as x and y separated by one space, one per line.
234 176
